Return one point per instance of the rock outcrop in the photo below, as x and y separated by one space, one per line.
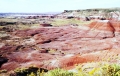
103 28
116 25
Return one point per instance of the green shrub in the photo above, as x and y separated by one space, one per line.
102 69
59 72
112 70
31 71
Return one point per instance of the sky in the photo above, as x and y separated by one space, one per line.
42 6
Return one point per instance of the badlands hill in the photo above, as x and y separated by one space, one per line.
51 47
61 47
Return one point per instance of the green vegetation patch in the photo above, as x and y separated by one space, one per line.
89 69
62 22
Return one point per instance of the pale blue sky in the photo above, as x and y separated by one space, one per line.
37 6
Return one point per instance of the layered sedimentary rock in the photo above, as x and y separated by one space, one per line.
116 25
102 28
65 46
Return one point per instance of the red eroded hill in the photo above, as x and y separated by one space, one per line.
48 46
102 25
106 25
116 25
